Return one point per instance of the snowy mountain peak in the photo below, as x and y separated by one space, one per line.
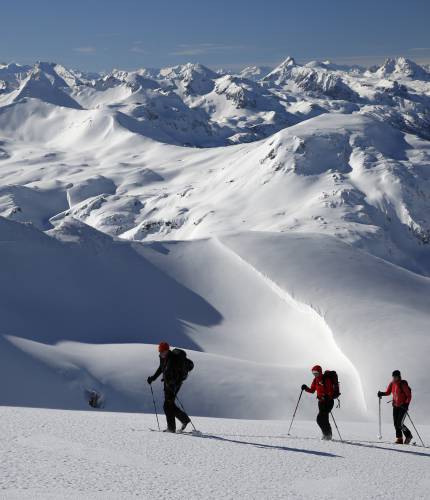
195 79
45 83
187 71
282 73
12 74
57 74
331 66
288 62
255 72
402 67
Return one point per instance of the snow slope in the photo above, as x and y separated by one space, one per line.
50 454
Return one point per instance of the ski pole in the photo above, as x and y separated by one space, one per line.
380 424
155 407
337 428
295 411
418 434
183 409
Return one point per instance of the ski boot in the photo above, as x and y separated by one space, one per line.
184 426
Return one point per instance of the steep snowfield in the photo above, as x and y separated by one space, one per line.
48 454
265 223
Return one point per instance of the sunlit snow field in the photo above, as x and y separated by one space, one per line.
50 454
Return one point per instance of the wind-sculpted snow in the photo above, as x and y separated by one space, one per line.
385 310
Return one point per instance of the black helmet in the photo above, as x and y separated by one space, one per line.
396 373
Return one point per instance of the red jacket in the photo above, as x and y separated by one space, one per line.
401 392
324 387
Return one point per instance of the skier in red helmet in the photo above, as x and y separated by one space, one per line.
323 386
173 376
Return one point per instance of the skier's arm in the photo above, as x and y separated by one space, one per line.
389 389
158 372
312 388
386 393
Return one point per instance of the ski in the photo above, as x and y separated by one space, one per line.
185 433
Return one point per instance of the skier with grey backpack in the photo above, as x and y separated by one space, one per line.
174 366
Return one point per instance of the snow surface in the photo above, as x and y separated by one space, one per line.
48 454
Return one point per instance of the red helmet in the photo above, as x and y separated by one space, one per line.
163 347
317 368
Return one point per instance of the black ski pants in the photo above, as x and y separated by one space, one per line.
399 415
325 406
171 410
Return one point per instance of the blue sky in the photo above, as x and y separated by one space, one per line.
102 34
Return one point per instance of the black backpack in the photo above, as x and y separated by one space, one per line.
332 375
183 364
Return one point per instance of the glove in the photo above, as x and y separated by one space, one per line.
304 387
380 394
150 380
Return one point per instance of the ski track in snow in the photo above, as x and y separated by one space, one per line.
48 454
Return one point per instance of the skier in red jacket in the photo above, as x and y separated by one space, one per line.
402 396
324 389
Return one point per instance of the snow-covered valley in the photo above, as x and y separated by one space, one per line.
265 221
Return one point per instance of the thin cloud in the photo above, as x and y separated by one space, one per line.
420 49
85 50
203 48
189 52
138 48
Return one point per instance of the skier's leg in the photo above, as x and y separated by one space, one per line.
169 409
320 417
323 417
405 430
397 420
330 405
179 413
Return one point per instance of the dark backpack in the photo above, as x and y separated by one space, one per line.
402 384
183 364
332 375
